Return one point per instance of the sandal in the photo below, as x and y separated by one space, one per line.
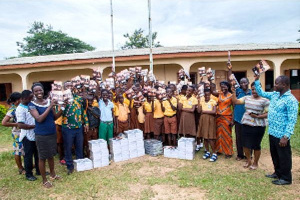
253 167
246 165
56 177
206 155
22 171
213 158
47 184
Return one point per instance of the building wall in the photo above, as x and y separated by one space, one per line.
61 75
14 79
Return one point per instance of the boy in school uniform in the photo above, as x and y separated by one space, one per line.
169 107
27 124
106 116
93 115
158 116
123 115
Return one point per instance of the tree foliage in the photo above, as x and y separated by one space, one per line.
43 40
299 38
137 40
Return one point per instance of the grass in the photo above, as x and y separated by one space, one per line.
148 177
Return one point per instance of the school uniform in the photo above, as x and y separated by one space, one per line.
187 123
170 120
149 121
158 116
106 120
122 117
207 123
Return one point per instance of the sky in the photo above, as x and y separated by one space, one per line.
177 22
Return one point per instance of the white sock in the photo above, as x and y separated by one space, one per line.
201 145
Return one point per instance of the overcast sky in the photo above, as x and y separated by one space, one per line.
178 22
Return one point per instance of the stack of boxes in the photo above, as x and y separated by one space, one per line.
99 153
136 142
171 152
186 148
83 164
132 146
119 148
153 147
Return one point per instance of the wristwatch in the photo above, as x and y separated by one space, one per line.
285 137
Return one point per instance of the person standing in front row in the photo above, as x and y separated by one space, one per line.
282 117
239 110
45 131
169 107
27 124
106 107
224 119
207 125
74 116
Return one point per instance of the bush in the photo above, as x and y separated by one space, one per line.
3 111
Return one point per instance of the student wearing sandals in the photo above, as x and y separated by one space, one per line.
44 114
207 124
14 100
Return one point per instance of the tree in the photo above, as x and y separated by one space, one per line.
299 38
137 40
43 40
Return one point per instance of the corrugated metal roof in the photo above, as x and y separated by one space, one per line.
159 50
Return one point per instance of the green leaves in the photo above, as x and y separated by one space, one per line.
137 40
43 40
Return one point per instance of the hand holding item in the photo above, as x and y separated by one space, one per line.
253 115
229 66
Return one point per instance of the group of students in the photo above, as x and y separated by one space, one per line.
41 127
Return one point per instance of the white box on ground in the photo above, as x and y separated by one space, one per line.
83 164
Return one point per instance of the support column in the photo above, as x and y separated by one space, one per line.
24 77
277 65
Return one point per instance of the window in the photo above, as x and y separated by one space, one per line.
5 91
294 77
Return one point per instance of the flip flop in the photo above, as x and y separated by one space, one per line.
252 167
247 165
47 184
56 177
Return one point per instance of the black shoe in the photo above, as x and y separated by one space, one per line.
70 171
271 175
31 178
281 182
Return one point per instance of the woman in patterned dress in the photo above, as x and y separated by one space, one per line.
10 121
224 142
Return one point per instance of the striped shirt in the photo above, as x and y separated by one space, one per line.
257 106
23 116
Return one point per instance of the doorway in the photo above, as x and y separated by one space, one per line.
269 80
239 75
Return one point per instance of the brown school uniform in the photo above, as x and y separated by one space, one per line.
207 123
149 121
122 111
158 116
187 119
170 120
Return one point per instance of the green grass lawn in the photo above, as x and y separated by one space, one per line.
150 177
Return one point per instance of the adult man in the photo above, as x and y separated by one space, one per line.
282 118
73 117
239 111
